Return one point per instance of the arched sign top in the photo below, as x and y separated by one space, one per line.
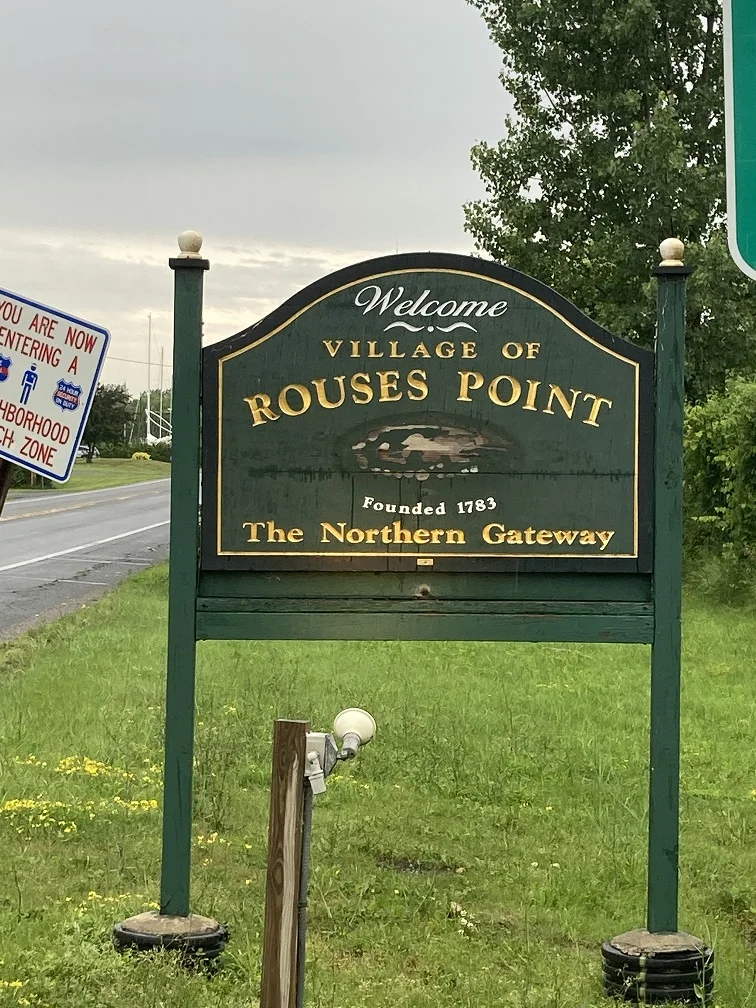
393 301
426 410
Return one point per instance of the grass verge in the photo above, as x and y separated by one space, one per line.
477 854
103 473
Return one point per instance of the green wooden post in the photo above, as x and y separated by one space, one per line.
182 584
664 793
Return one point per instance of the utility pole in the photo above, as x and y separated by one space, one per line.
149 377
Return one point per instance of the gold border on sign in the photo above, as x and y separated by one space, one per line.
420 556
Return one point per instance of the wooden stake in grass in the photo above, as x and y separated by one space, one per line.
279 968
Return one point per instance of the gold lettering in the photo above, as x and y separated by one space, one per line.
563 536
259 406
533 349
295 535
436 536
493 533
421 536
530 536
332 346
468 381
394 345
530 399
512 355
421 350
327 529
283 402
400 535
455 537
275 535
355 344
561 398
388 380
544 537
469 350
360 383
597 404
445 349
587 538
253 527
417 380
323 399
493 391
355 535
514 537
605 537
373 349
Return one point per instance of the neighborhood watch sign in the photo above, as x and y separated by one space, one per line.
426 411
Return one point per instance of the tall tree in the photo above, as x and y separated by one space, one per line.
617 142
108 419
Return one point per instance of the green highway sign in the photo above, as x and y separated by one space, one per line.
740 103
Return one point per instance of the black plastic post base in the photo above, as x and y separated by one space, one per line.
199 940
647 968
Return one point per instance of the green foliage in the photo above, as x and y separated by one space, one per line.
617 142
109 416
24 478
160 452
115 449
720 481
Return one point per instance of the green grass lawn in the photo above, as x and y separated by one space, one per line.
509 779
112 473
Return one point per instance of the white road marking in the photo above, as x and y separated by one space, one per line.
57 494
141 563
81 582
77 549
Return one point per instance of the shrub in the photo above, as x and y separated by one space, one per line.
115 450
25 478
160 452
720 480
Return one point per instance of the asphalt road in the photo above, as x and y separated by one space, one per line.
59 551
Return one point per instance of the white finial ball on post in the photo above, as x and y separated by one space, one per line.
672 252
190 243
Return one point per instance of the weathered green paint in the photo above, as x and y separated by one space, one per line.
424 604
182 587
392 626
290 470
664 793
387 585
426 408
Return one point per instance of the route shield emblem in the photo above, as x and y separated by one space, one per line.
67 395
5 363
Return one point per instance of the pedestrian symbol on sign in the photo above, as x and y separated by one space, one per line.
28 384
5 363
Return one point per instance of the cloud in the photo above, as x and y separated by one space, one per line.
117 282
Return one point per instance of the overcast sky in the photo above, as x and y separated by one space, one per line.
296 135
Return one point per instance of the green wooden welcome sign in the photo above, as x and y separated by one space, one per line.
427 411
429 447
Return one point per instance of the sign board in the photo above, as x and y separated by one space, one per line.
49 366
427 410
740 122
